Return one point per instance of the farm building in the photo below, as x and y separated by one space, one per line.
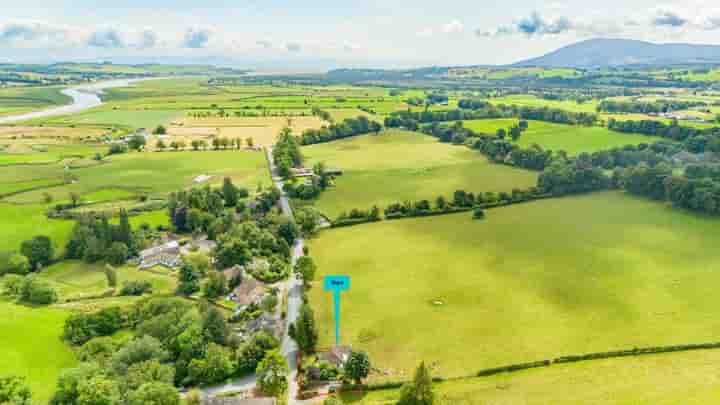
336 355
265 322
167 255
250 291
302 172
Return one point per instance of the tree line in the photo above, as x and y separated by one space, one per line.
347 128
639 107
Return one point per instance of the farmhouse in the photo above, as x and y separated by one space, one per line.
167 255
269 323
250 291
302 172
336 355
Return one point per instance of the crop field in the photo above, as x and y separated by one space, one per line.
666 379
17 100
640 117
74 278
399 165
573 139
532 101
531 281
263 130
32 346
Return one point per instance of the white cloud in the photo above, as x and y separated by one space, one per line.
453 27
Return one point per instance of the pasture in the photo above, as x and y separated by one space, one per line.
573 139
21 99
399 165
158 173
531 281
530 100
32 346
666 379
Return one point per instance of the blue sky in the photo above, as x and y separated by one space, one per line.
291 35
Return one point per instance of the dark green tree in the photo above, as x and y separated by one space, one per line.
39 251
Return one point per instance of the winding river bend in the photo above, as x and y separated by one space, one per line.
84 97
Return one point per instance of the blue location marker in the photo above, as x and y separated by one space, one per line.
336 284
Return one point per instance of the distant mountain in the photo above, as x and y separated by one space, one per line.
619 52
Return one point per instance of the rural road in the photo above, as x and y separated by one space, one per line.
294 288
84 97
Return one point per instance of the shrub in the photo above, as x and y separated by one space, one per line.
135 287
18 264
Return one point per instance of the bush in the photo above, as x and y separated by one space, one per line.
135 288
79 328
18 264
478 213
30 290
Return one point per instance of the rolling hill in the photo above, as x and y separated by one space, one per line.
617 52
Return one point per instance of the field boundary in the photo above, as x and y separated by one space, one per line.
572 358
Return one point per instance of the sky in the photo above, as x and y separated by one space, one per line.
323 34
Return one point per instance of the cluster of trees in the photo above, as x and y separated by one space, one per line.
347 128
412 120
94 239
218 143
695 192
655 107
696 140
357 216
322 114
309 191
572 176
14 390
204 209
286 153
175 343
29 289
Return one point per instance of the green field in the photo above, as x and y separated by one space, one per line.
667 379
531 281
18 100
126 118
32 346
573 139
159 173
399 165
530 100
74 279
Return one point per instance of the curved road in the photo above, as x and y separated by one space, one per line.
84 97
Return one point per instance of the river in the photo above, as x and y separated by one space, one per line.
84 97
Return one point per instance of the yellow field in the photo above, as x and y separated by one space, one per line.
263 130
20 132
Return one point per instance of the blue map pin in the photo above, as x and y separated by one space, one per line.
336 284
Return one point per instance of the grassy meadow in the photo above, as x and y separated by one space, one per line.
158 173
530 100
399 165
21 99
73 278
531 281
666 379
32 346
573 139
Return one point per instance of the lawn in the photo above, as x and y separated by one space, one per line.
32 346
531 281
399 165
74 278
676 378
573 139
